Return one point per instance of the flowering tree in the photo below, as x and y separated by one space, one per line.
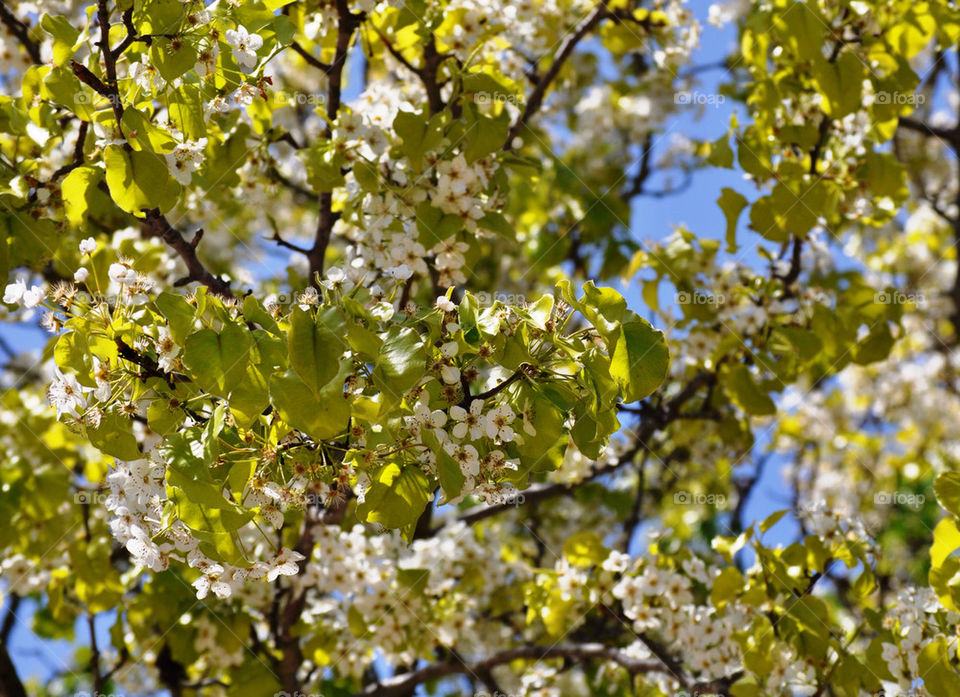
390 428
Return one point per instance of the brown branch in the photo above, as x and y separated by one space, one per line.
949 135
309 58
131 35
171 672
95 656
496 389
793 273
427 74
535 100
109 62
275 174
655 420
21 31
636 186
347 24
287 640
9 617
289 245
405 683
149 368
77 153
158 226
85 76
10 683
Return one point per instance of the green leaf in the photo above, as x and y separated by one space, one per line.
585 549
746 393
77 189
71 352
254 312
726 586
484 135
142 134
139 180
321 416
875 346
178 313
640 360
448 470
396 499
218 359
731 203
185 106
806 343
172 59
417 134
940 679
401 364
61 86
64 36
721 154
315 346
251 678
946 540
114 436
801 28
250 397
162 419
840 83
947 489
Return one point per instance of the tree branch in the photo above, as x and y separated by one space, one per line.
950 135
636 186
77 153
21 31
109 62
535 100
310 58
427 74
157 225
655 420
10 683
405 683
496 389
9 617
347 24
95 656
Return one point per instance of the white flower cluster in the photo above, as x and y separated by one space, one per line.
137 501
661 601
832 525
910 619
457 435
408 599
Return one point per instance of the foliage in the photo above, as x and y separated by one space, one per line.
435 438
